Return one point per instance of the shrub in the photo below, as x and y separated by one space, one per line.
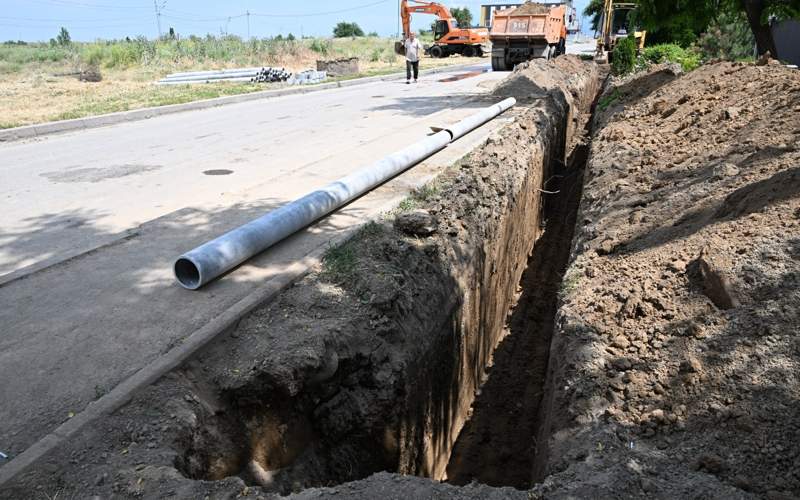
623 58
93 55
63 37
728 37
344 30
320 46
122 55
669 52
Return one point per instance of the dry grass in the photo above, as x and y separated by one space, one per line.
31 92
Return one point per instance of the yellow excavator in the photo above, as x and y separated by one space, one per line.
616 21
448 37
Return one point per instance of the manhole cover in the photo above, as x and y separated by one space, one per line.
218 171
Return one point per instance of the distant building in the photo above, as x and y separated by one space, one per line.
573 20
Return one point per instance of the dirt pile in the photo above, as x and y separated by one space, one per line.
531 9
675 368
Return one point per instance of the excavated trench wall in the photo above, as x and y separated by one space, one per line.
404 333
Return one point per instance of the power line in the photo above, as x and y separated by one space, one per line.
66 3
324 13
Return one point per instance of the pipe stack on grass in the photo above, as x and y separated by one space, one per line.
268 75
251 75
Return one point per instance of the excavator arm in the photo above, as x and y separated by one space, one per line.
434 8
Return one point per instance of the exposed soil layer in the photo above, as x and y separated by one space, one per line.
371 364
676 358
496 446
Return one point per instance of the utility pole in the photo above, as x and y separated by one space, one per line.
158 17
248 24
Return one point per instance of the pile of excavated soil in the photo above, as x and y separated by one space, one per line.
675 369
531 9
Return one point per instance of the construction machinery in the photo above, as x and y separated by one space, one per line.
526 32
616 21
448 37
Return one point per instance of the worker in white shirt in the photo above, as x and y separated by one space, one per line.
412 57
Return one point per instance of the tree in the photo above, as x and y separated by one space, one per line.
290 37
463 16
63 37
594 10
344 30
684 20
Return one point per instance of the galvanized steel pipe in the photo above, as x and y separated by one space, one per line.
472 122
210 260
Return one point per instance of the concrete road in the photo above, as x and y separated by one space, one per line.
92 220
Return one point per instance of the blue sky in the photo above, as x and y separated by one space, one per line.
87 20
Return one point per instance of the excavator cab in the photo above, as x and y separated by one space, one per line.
618 20
443 27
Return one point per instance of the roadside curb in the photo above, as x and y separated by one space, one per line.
42 129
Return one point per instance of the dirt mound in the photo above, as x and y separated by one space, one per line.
531 9
675 369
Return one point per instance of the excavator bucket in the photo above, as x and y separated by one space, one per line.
399 48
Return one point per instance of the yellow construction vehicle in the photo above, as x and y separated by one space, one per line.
448 37
616 21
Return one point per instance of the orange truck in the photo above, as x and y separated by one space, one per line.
526 32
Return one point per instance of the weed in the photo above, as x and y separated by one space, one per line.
407 205
570 282
338 262
608 100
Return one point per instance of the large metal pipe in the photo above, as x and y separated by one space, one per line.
214 258
472 122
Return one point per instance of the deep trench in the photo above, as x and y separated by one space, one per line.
497 445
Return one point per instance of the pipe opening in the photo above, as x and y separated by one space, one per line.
187 273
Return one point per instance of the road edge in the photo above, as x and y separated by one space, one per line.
49 128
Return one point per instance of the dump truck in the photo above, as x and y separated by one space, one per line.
526 32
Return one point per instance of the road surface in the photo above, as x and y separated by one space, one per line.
92 221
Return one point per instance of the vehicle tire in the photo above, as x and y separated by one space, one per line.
469 51
499 64
562 47
478 51
436 51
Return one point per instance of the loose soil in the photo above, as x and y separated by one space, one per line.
675 363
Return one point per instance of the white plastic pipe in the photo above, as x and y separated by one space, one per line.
216 257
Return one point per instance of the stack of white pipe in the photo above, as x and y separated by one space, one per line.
226 75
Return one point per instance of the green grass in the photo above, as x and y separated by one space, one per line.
668 52
339 262
191 51
157 96
418 197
